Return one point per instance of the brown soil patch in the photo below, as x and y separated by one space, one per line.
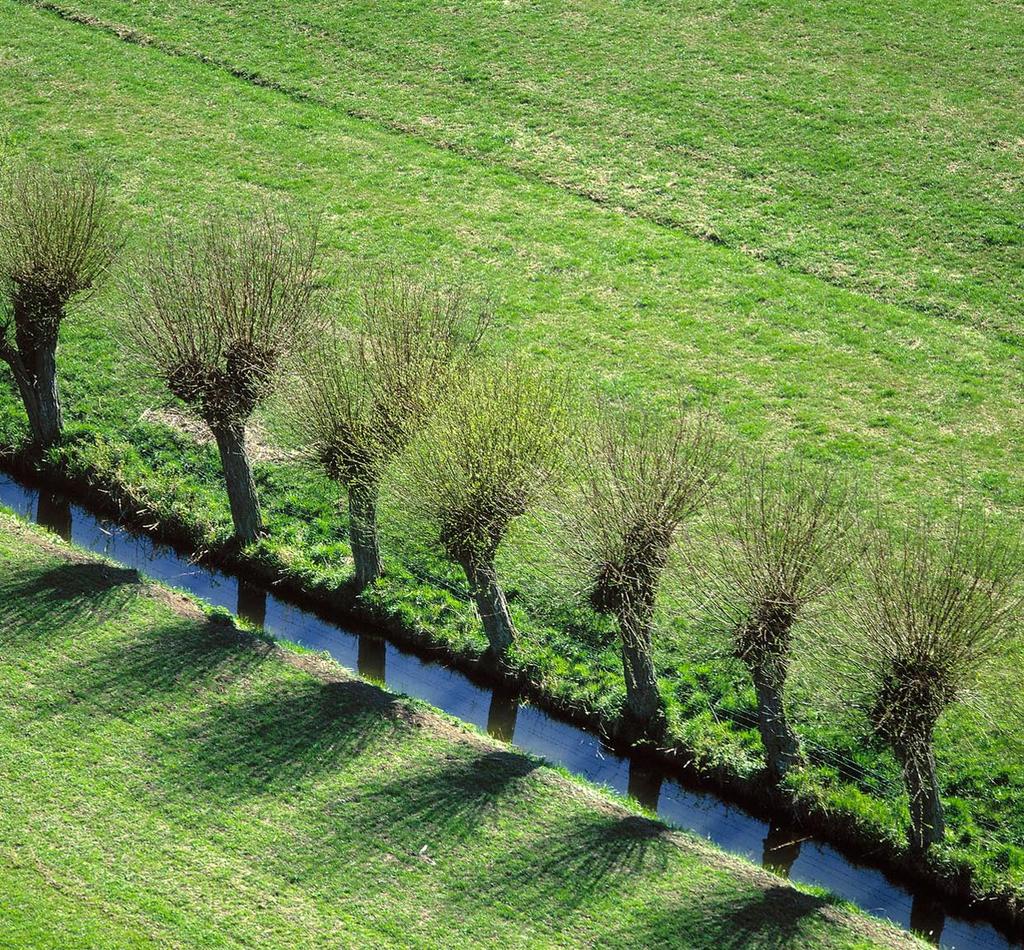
256 435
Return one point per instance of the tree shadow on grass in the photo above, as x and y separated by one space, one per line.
714 914
126 674
62 597
276 734
581 858
440 803
589 856
776 917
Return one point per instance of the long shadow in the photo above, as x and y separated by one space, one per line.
277 734
775 918
130 673
69 594
73 580
590 855
446 801
578 861
718 914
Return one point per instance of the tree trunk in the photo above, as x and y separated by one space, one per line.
643 701
35 372
32 356
927 822
245 506
781 746
491 605
362 533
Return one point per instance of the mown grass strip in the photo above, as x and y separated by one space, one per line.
169 780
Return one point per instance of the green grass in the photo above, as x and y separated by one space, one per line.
878 148
170 781
904 398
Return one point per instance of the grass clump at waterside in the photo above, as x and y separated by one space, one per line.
171 780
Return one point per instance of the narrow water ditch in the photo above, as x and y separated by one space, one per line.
786 851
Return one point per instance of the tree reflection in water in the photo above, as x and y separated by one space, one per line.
781 848
644 785
53 511
372 658
927 918
501 717
252 603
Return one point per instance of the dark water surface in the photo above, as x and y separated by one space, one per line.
783 850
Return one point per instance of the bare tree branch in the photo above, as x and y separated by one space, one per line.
641 480
215 315
58 237
359 398
782 539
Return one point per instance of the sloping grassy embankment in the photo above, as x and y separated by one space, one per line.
170 780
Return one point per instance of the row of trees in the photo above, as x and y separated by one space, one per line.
239 311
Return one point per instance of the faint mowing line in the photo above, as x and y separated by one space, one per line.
136 37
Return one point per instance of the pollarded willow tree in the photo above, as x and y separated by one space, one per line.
358 399
781 540
215 315
937 609
642 479
58 237
484 459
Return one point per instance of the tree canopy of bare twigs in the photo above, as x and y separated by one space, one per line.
642 479
484 459
358 399
216 314
936 608
59 234
781 539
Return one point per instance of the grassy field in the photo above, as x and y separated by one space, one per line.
879 149
901 395
169 781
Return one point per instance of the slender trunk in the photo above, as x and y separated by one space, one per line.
781 746
491 605
643 701
927 822
48 423
245 506
362 533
